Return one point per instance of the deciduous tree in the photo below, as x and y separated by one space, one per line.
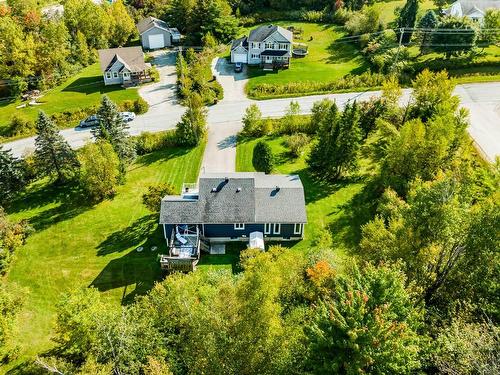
192 128
100 170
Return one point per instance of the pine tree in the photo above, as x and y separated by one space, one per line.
113 129
429 22
12 175
263 159
336 151
53 154
407 18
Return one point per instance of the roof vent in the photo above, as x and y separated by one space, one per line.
277 188
214 190
238 189
226 179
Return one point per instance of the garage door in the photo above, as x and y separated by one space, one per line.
156 41
239 57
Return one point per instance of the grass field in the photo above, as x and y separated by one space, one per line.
80 91
323 63
76 245
339 208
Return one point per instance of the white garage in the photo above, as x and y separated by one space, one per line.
156 41
239 54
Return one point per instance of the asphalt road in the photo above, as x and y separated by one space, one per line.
481 99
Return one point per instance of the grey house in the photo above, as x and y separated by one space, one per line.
268 45
230 207
472 9
124 66
156 33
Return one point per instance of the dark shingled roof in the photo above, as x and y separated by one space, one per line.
148 23
261 33
242 198
243 41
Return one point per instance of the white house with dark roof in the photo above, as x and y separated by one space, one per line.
124 66
156 33
265 45
472 9
231 207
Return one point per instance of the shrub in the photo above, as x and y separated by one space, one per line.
140 106
148 142
19 125
263 159
364 80
12 235
100 170
313 16
154 74
364 22
297 143
152 199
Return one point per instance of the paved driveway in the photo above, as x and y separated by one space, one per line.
232 82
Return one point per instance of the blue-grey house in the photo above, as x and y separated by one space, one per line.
231 207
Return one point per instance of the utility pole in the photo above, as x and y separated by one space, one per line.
401 31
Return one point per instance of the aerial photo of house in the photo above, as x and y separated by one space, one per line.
124 66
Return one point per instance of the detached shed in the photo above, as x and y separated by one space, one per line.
156 34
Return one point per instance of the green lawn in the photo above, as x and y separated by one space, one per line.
337 207
325 62
387 8
80 91
77 245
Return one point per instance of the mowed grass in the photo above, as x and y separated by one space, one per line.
339 208
387 9
80 91
326 61
77 245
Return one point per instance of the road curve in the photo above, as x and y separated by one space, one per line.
481 99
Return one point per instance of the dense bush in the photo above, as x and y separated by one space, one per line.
152 199
148 142
100 170
19 125
12 236
139 106
349 82
297 143
263 159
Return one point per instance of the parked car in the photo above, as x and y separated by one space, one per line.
127 116
238 67
89 122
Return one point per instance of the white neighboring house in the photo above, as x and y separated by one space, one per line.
265 45
156 33
124 66
472 9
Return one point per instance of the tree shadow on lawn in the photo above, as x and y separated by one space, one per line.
232 258
139 268
144 228
91 85
70 198
346 229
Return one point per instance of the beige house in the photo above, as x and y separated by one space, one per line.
124 66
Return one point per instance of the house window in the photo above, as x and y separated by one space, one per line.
255 56
255 45
267 228
283 46
108 75
269 45
115 74
276 228
239 226
126 75
297 229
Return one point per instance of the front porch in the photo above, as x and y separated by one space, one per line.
275 59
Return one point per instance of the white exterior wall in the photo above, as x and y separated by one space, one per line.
167 37
115 76
255 48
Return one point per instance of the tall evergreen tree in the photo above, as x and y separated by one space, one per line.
12 175
53 154
407 18
428 22
336 151
113 129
